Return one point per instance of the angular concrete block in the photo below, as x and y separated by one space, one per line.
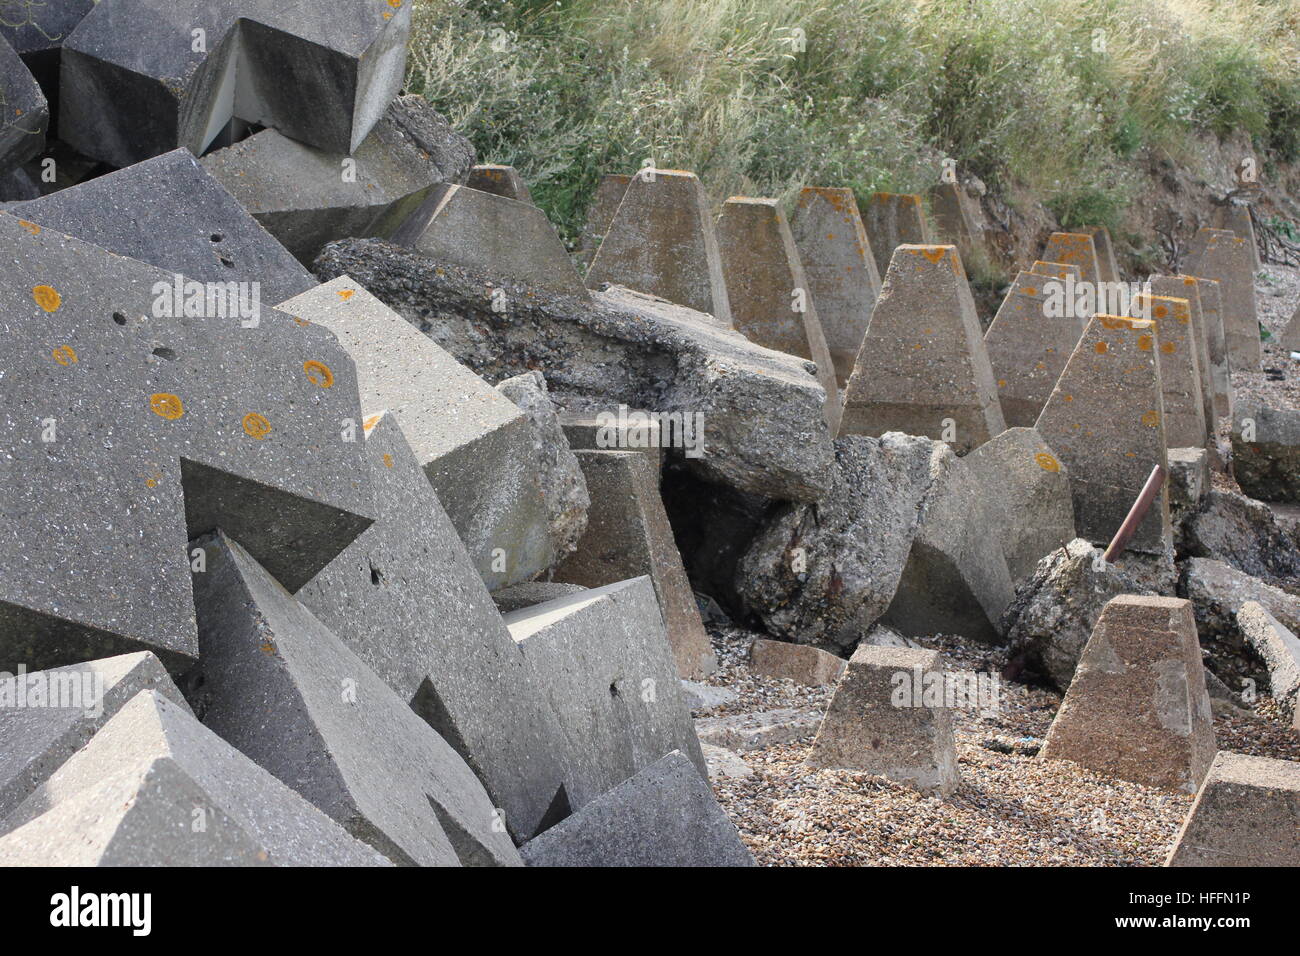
633 431
519 596
665 815
131 430
170 213
956 219
1076 249
1137 708
1105 422
474 444
1028 489
771 300
137 80
1235 217
190 787
1187 288
37 737
483 231
1267 466
24 113
661 242
1279 649
306 197
1180 372
406 599
604 204
923 368
628 535
1028 347
1228 259
893 220
502 181
1107 266
840 267
1189 480
880 720
1210 294
1291 334
1055 270
604 660
797 662
1247 813
288 694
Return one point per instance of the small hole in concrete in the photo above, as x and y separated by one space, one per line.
119 318
217 237
375 576
166 353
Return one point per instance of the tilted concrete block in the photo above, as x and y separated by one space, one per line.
499 180
1180 372
1210 294
797 662
604 204
1266 449
1247 813
1074 248
1225 257
24 113
1107 266
1279 649
893 220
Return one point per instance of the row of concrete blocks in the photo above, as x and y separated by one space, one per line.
1137 709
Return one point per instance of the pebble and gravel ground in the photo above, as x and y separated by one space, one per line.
1011 809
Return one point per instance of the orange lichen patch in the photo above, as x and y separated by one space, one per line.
388 460
1159 311
1002 383
166 405
1145 342
1101 348
395 4
1030 290
933 253
1168 348
267 648
47 298
30 227
1069 398
1151 419
1113 322
256 425
1190 280
346 294
65 355
302 322
370 422
1047 462
881 197
318 373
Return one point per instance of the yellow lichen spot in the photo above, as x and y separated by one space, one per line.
1002 383
388 460
166 405
318 373
370 422
934 253
46 297
65 355
31 227
1151 419
303 322
1190 280
1047 462
395 4
267 648
1069 398
1144 342
1101 348
1168 348
1030 290
256 425
346 294
151 482
1160 311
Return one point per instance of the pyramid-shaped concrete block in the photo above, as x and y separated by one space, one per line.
1247 813
956 219
604 659
406 598
1137 707
487 232
1180 370
661 242
893 220
498 180
292 697
1228 259
628 535
841 270
306 196
604 204
1105 420
1055 270
134 428
1291 334
1076 249
142 77
1210 294
24 113
1187 288
771 300
1236 218
1028 343
1107 266
881 721
39 733
665 815
191 789
923 368
457 425
170 213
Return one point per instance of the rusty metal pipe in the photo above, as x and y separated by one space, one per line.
1136 514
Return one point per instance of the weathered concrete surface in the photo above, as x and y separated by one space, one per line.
636 431
666 815
490 233
840 268
155 752
406 598
758 729
1028 491
604 204
764 432
603 658
306 197
956 220
163 428
1055 611
287 693
797 662
880 721
892 220
1235 217
1180 373
474 444
765 279
1246 814
170 213
1291 334
1210 293
24 112
1243 533
923 368
1279 648
1055 270
1268 465
1227 258
1076 249
135 81
1189 480
1107 267
628 535
499 180
524 595
661 242
1028 348
38 736
1137 707
1105 421
1194 331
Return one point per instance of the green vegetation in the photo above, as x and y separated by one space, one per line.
766 96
